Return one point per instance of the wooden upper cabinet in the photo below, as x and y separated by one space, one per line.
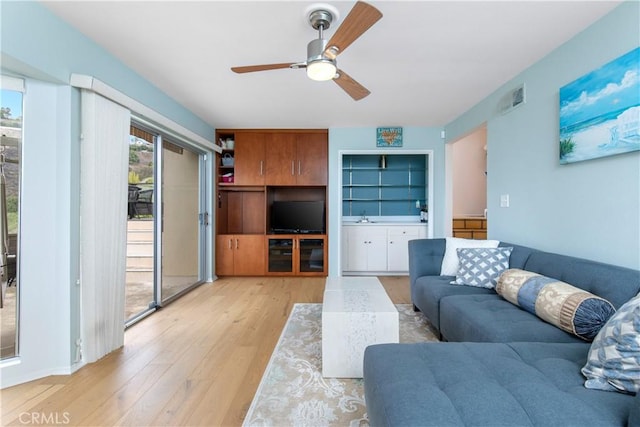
249 158
296 158
311 151
280 154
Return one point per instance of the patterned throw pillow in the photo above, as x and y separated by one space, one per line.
613 363
450 262
481 267
571 309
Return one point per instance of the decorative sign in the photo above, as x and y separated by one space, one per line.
389 137
600 112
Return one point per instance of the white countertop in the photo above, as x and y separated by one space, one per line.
377 220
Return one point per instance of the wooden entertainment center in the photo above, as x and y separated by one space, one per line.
259 167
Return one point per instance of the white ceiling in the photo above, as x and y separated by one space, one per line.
425 62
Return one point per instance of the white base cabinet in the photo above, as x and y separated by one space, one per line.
378 248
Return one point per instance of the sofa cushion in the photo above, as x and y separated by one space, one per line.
613 363
481 266
567 307
450 261
490 318
427 291
519 256
634 416
613 283
484 384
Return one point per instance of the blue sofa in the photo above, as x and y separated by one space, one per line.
501 365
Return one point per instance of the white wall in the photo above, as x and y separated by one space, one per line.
468 175
588 209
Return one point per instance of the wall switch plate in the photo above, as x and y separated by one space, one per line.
504 200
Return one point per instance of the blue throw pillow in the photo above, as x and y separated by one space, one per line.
481 267
613 362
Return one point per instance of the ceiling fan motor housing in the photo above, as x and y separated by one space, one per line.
317 61
315 49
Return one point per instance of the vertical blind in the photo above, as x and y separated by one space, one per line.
103 224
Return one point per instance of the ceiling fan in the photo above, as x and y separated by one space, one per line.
321 62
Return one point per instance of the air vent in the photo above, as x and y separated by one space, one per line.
512 99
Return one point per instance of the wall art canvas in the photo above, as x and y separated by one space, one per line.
389 137
600 111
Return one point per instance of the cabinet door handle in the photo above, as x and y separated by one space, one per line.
261 167
293 170
230 244
237 245
299 168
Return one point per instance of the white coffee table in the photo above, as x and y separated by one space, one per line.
356 312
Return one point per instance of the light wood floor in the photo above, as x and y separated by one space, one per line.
197 361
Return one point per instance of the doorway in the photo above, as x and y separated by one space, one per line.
469 185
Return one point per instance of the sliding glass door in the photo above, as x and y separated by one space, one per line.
140 294
182 231
166 226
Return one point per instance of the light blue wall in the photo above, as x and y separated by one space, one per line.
588 209
35 42
364 139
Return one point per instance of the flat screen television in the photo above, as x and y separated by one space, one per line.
297 217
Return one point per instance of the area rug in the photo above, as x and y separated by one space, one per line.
293 392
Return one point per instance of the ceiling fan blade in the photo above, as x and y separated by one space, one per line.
352 87
265 67
359 20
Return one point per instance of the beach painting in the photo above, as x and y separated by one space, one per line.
600 111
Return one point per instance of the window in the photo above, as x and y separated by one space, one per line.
11 98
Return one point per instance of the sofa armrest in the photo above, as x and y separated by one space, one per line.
425 258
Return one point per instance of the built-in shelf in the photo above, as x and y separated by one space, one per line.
382 191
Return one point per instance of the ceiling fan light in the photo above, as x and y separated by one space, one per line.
321 70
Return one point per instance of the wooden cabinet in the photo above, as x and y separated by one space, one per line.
280 159
241 211
268 166
311 155
378 248
240 255
296 158
249 158
240 228
297 255
470 227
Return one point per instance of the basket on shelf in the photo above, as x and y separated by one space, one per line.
227 177
227 160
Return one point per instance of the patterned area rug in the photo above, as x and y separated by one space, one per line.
294 393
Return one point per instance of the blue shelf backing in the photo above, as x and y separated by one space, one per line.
392 191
